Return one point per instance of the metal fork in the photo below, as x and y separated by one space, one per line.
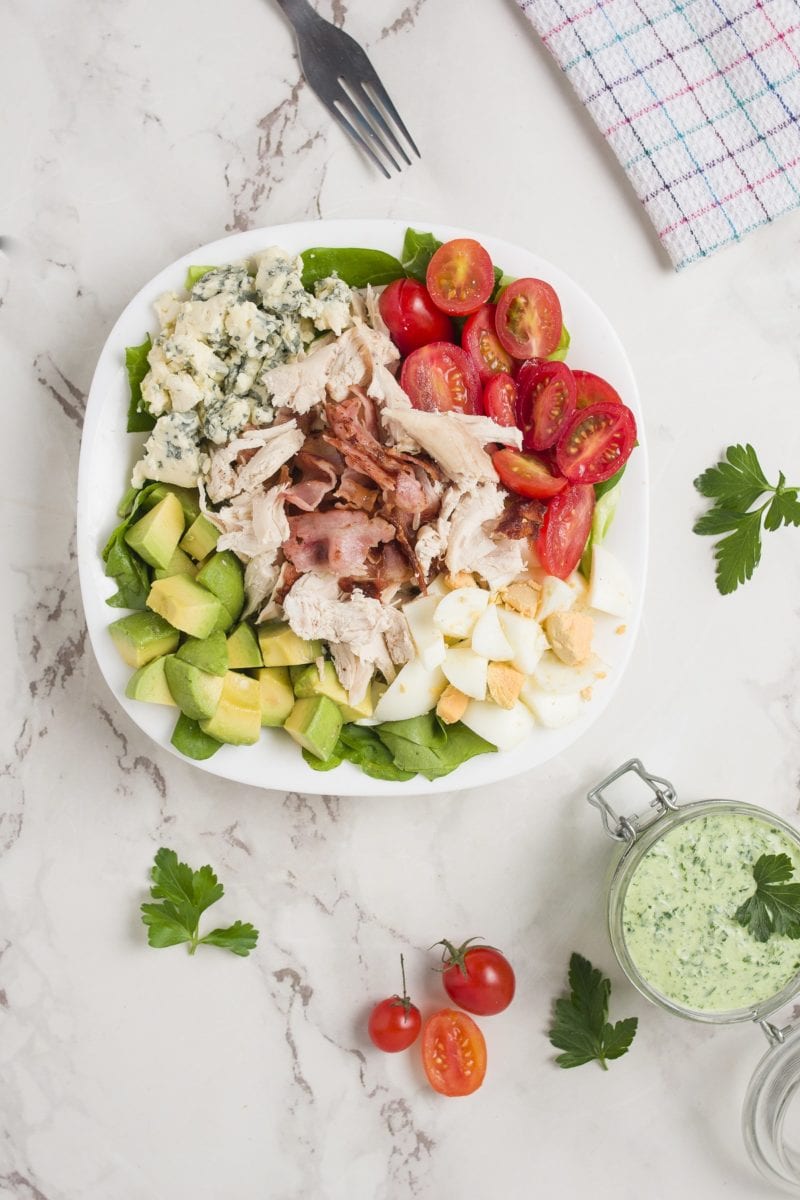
344 79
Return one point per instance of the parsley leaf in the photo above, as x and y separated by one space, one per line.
185 895
581 1028
735 484
774 907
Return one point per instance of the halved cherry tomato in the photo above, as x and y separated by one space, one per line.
591 389
528 318
500 399
412 317
441 377
481 342
453 1053
460 277
565 528
527 474
546 402
596 443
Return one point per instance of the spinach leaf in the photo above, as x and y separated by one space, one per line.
354 264
139 421
359 744
418 250
425 744
130 573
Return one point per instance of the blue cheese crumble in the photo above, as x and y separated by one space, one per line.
172 453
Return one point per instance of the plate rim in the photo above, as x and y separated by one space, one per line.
346 780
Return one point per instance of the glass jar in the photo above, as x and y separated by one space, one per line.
767 1110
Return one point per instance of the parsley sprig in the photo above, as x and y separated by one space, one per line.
735 485
185 895
581 1027
774 906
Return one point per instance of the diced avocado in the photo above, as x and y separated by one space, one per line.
188 497
186 605
197 693
243 648
179 564
200 538
209 654
280 647
143 636
238 716
296 672
155 537
224 621
189 738
315 724
223 575
150 683
277 697
308 683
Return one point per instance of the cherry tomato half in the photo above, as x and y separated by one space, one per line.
441 377
528 318
481 342
596 443
477 978
500 399
565 528
453 1053
591 389
412 317
527 474
546 402
460 277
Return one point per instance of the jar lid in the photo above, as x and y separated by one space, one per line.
771 1112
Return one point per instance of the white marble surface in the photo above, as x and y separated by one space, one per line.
132 133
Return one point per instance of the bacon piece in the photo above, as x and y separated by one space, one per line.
337 541
317 478
522 517
354 488
363 452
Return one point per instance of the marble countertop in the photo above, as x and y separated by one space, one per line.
138 132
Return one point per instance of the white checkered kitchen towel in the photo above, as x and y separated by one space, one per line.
699 100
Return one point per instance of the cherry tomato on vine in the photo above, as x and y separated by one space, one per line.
478 978
412 318
596 442
528 318
441 377
565 528
481 342
546 402
500 399
591 389
460 277
394 1024
527 474
453 1053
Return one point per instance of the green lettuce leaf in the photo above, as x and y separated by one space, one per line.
355 265
193 274
139 420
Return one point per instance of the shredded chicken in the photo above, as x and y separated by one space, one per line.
333 369
273 447
454 440
470 546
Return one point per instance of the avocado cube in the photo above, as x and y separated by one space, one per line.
280 647
200 538
155 537
143 636
309 683
196 692
243 651
209 654
188 498
179 564
190 740
315 724
223 575
237 719
185 604
150 683
276 695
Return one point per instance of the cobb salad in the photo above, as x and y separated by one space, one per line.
369 510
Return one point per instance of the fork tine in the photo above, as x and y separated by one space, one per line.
353 111
356 136
379 119
373 81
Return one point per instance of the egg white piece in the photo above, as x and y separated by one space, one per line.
428 640
415 690
551 709
488 638
552 675
458 611
503 727
526 638
610 588
556 596
466 670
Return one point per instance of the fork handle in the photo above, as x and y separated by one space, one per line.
298 12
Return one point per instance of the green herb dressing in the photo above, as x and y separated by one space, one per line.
678 915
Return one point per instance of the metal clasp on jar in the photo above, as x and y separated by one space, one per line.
627 829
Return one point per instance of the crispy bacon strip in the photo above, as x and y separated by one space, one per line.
521 518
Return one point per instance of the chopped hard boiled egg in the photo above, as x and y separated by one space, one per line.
552 675
488 638
428 640
466 670
609 587
414 692
550 709
557 596
526 638
503 727
457 612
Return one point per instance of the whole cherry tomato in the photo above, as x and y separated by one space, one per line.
394 1024
478 978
